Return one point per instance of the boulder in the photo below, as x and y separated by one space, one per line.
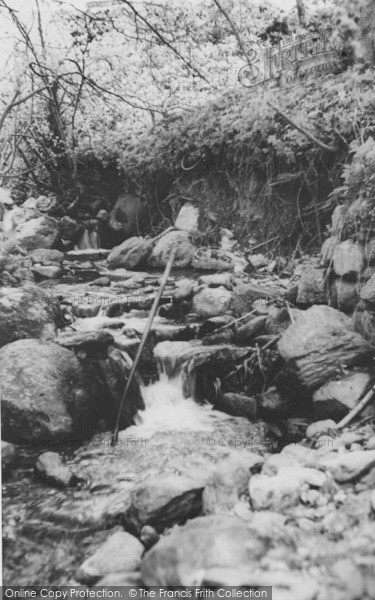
27 312
348 259
43 204
69 229
217 280
184 290
46 256
208 259
121 552
212 302
367 294
246 293
211 542
126 216
44 393
188 217
162 249
318 344
344 295
364 323
328 250
16 218
336 398
50 468
8 456
311 286
47 272
42 232
257 261
319 428
348 466
279 320
229 482
130 253
163 502
238 405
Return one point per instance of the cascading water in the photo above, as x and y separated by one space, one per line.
88 241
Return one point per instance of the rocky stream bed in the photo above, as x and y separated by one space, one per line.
233 466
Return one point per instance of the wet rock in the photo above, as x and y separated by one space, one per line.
208 259
46 256
149 536
50 468
348 466
16 218
163 502
162 249
130 253
8 456
275 493
246 293
212 542
229 482
305 456
91 254
121 552
336 398
188 217
211 302
238 405
42 232
257 261
101 282
218 280
328 249
69 229
251 328
44 393
318 344
348 259
344 295
315 430
27 312
311 286
91 343
184 290
47 272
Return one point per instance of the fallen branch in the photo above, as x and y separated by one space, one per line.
142 342
357 409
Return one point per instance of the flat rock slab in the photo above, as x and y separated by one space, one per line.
89 254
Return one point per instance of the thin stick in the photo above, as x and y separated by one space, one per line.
143 341
357 409
290 313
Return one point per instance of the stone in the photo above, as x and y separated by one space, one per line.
126 216
42 232
273 403
121 552
15 218
315 430
69 229
43 204
50 468
348 466
148 536
92 343
46 256
188 217
363 322
101 282
184 290
251 328
348 259
257 261
312 286
229 482
217 280
328 250
279 320
305 456
27 312
119 579
318 344
336 398
47 272
89 254
368 273
131 253
275 493
212 302
370 252
8 456
163 502
209 542
275 462
208 259
344 295
227 241
245 294
238 405
367 294
162 249
44 393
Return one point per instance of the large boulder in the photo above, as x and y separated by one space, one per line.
45 256
41 232
130 253
27 313
162 249
188 217
43 204
319 343
336 398
344 295
348 259
44 393
212 302
311 286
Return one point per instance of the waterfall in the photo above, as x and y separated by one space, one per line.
88 241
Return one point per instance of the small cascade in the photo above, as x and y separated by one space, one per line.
88 241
